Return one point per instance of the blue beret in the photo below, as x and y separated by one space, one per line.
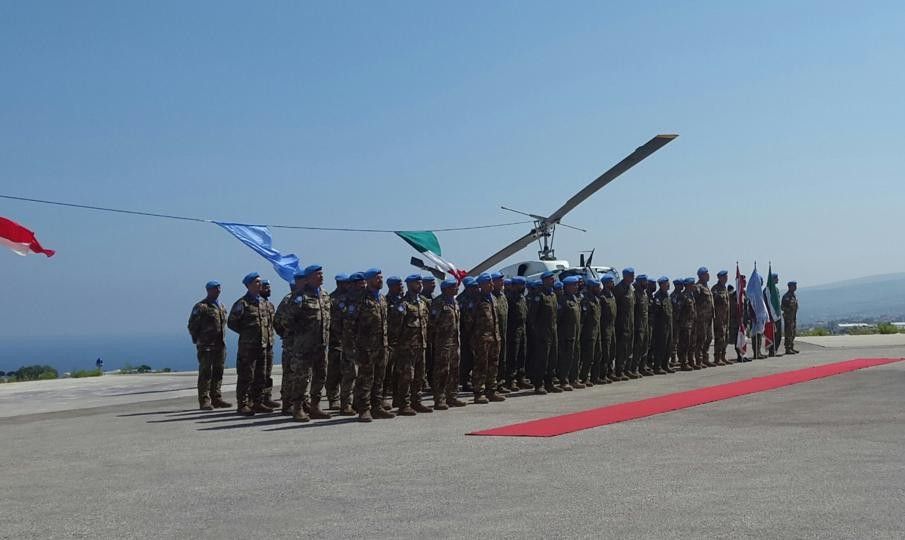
429 278
484 277
535 283
312 269
449 282
678 282
662 279
250 277
342 278
507 281
689 281
793 283
371 273
571 280
394 280
558 285
496 275
641 277
703 270
722 273
265 282
299 274
519 280
212 284
607 279
469 281
627 271
593 283
357 276
548 274
412 277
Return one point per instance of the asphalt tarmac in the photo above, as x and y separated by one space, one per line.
131 457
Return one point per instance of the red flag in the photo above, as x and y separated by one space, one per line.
19 239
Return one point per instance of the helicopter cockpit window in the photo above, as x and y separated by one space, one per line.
522 268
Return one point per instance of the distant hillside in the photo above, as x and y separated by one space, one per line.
869 298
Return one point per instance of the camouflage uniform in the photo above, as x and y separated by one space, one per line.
674 298
206 326
409 339
465 350
269 313
720 322
340 367
285 333
502 308
444 338
790 319
541 327
685 321
607 335
567 332
309 319
703 329
641 341
483 330
429 351
516 341
625 326
590 337
365 322
394 325
661 327
248 319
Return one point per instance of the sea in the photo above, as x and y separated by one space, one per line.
66 354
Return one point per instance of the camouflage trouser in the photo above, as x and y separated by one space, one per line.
286 377
409 375
720 338
703 336
368 390
389 377
790 326
210 373
640 345
446 373
662 341
308 366
466 361
607 355
733 337
268 373
685 348
623 352
516 354
486 355
340 376
249 374
502 360
542 361
590 356
428 367
566 358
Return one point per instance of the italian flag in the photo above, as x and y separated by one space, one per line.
20 240
426 243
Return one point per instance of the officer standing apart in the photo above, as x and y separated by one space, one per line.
207 324
309 318
247 318
790 316
367 323
444 337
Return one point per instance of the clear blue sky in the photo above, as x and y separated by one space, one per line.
416 115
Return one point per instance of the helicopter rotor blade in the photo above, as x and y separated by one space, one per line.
630 161
504 253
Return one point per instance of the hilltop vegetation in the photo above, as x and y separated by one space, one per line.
872 300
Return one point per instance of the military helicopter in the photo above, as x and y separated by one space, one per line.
544 229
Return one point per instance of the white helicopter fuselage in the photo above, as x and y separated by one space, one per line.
533 269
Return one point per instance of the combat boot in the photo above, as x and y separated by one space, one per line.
317 414
502 389
218 403
525 385
440 405
286 409
380 414
553 389
686 367
540 390
332 405
346 410
566 387
493 396
480 399
589 384
261 408
244 410
630 375
271 403
205 405
406 410
365 416
455 402
387 404
516 387
299 414
421 408
578 385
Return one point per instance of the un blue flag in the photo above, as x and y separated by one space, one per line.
257 237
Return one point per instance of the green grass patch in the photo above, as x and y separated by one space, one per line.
82 373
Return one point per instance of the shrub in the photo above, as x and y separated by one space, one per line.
144 368
81 373
887 328
817 331
35 373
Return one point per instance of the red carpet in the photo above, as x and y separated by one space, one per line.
611 414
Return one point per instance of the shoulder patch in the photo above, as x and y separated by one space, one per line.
298 300
237 307
195 310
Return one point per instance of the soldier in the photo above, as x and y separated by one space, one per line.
685 321
466 356
309 318
366 320
428 286
340 371
790 316
410 345
206 326
356 288
516 341
590 335
567 331
678 288
247 318
661 327
285 333
541 325
734 322
269 313
625 325
502 308
484 334
444 337
608 312
703 308
641 340
394 323
720 318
